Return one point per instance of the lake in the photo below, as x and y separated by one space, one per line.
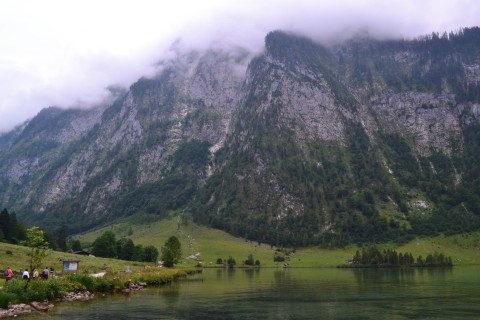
296 293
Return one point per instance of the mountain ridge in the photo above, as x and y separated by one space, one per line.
365 141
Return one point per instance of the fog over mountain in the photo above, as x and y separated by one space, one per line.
67 53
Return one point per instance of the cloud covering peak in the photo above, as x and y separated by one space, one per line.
67 53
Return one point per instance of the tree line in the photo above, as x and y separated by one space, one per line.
373 257
14 231
107 246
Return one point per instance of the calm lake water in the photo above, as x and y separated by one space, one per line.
296 294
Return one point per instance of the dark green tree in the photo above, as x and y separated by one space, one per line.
10 229
250 261
138 253
13 227
125 249
150 254
38 247
105 246
76 245
4 225
61 236
171 252
231 262
51 239
357 258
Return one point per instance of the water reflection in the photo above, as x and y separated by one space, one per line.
250 273
399 275
299 294
380 275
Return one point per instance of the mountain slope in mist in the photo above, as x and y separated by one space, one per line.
303 144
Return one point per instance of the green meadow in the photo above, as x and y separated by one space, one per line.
15 257
212 244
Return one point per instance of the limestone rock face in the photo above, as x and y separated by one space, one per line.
295 139
431 119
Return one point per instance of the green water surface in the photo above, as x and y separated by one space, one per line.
296 294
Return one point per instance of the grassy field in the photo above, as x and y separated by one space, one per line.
464 249
15 257
213 244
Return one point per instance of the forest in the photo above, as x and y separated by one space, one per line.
373 257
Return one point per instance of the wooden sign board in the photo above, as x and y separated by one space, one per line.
70 265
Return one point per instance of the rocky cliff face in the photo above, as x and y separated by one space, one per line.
367 140
97 155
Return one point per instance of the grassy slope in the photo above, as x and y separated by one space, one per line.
18 260
463 248
213 244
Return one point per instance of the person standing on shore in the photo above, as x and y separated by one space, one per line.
45 273
25 275
9 274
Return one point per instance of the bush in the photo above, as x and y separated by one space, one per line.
102 285
16 287
70 286
82 282
250 261
43 290
39 290
36 291
7 298
231 262
86 281
53 289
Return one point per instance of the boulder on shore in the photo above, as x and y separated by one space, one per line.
41 306
15 309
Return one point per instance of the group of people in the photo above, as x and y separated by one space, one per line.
26 275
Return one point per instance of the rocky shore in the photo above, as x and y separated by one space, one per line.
123 285
43 306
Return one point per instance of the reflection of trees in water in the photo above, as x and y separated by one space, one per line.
436 273
281 276
221 273
171 294
397 275
230 273
375 275
170 298
252 273
284 281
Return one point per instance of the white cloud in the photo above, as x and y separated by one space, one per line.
65 53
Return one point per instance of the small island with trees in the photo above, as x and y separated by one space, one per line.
372 257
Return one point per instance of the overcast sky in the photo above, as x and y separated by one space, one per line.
66 53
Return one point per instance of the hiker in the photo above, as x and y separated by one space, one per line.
8 274
35 274
25 275
45 273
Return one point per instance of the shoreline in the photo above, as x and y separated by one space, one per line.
114 283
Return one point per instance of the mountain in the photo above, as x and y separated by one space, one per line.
303 144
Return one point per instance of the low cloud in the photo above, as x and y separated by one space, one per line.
67 53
